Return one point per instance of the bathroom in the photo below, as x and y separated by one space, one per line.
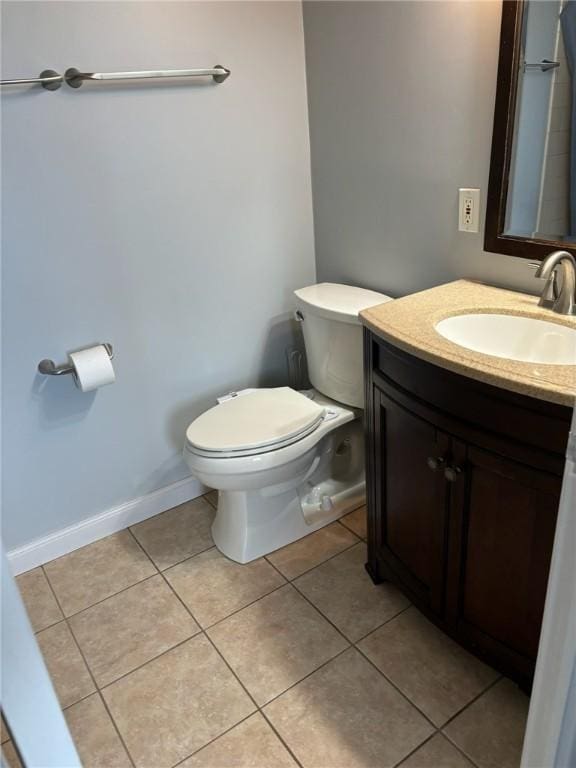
174 219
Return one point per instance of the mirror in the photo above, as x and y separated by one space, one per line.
531 206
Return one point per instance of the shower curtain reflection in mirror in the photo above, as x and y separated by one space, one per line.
542 185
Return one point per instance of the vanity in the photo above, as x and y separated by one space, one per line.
465 455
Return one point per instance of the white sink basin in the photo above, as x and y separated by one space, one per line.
513 337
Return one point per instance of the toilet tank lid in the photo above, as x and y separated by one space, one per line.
338 302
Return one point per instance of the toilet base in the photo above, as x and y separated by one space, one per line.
250 524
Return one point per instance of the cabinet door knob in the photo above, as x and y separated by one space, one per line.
451 474
434 462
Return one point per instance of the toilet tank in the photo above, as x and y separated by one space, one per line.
333 337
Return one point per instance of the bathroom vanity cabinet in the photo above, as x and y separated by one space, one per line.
463 489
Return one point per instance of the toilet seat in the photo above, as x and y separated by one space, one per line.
258 422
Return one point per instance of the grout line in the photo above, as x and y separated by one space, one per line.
99 602
54 595
319 612
97 691
341 552
184 560
3 760
292 584
318 668
141 547
353 642
116 728
233 613
280 738
53 590
438 728
196 751
148 661
362 538
49 626
83 698
459 749
356 509
383 624
482 692
341 524
393 684
406 757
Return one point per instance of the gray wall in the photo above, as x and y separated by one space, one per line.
401 100
172 220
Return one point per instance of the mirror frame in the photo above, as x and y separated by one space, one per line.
509 61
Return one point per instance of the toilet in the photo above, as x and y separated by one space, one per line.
286 462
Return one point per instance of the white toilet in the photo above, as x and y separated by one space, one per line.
286 463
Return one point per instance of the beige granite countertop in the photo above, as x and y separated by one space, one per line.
408 323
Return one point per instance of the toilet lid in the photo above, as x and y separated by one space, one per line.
262 418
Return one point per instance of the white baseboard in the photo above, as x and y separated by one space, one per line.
113 520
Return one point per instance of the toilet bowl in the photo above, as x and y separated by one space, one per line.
286 463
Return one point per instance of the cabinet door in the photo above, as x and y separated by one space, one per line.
411 502
501 546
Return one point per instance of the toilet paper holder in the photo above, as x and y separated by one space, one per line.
49 367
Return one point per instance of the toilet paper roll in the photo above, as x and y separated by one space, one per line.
92 368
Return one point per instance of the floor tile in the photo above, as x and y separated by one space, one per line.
346 595
178 533
213 587
312 550
491 730
94 572
66 666
252 744
276 642
356 521
10 755
437 753
436 674
95 737
130 628
176 704
41 605
346 715
212 498
5 736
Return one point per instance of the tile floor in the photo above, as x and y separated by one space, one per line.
165 653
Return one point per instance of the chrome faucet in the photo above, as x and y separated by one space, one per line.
559 271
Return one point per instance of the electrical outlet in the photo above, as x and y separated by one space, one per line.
468 209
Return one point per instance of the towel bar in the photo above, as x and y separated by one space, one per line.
75 78
48 79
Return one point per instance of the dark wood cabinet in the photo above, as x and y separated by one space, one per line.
413 531
463 490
